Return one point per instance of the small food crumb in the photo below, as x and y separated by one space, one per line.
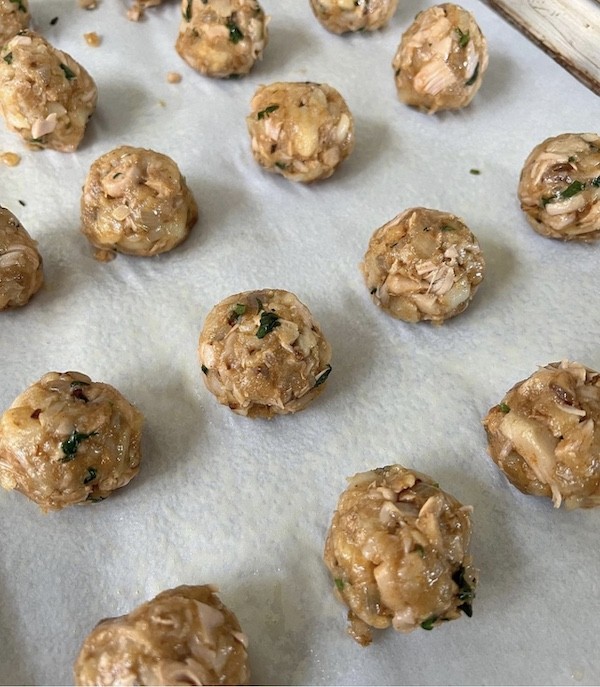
174 77
93 39
475 171
88 4
53 21
23 203
162 103
10 159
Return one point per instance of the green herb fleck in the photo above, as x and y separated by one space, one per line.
420 550
69 446
504 408
259 305
236 312
235 35
204 369
263 114
428 624
321 378
53 21
596 182
78 382
69 73
281 165
339 583
91 475
571 158
268 322
473 79
373 291
39 140
447 227
187 15
466 593
117 175
94 499
20 5
463 38
572 189
475 171
8 58
23 203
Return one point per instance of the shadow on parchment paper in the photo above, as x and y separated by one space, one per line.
373 137
354 343
14 664
499 270
172 422
121 109
495 85
289 40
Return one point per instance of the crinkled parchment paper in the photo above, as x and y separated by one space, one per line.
246 504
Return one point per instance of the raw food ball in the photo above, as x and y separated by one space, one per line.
21 273
68 440
340 16
423 265
222 38
184 636
45 96
263 354
300 130
441 59
135 201
397 550
545 434
559 187
14 17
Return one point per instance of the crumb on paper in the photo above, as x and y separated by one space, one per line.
136 11
53 21
174 77
10 159
93 39
22 202
88 4
162 103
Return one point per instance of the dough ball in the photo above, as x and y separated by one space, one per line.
184 636
340 16
441 59
423 265
45 96
68 440
21 273
559 188
136 201
222 38
545 434
14 17
301 130
397 551
263 354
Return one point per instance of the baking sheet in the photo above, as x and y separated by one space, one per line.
246 504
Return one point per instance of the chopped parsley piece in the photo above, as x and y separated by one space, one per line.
53 21
69 446
572 190
268 322
263 114
473 79
447 227
339 583
420 550
571 158
596 182
92 473
8 58
466 593
236 312
20 5
259 305
204 369
69 73
187 15
321 378
117 175
475 171
281 165
39 140
94 499
463 37
23 203
78 382
235 35
373 291
428 624
504 408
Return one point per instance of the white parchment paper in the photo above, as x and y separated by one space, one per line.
246 504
